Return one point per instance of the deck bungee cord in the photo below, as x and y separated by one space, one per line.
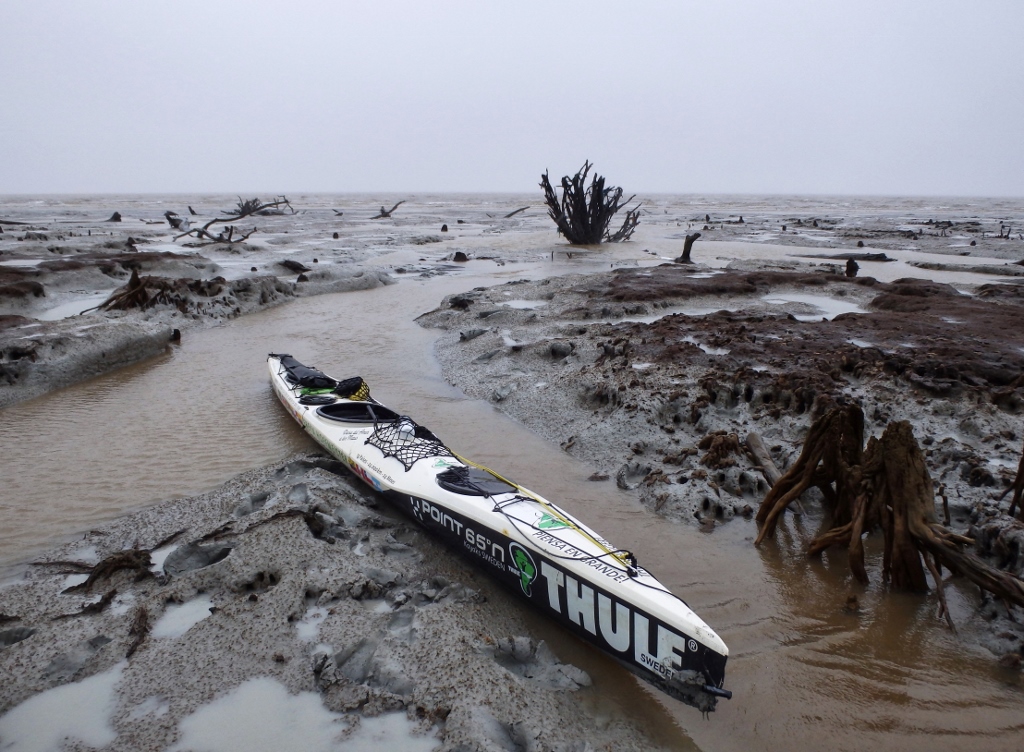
624 557
621 555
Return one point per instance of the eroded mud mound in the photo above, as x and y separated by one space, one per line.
671 282
934 337
38 279
685 385
638 370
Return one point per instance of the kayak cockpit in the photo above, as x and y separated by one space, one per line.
473 481
357 412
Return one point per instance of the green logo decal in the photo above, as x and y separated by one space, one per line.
443 463
524 563
548 522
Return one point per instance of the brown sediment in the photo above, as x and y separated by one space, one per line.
920 348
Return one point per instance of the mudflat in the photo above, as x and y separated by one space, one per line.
289 581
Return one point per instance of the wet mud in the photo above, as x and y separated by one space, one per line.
322 586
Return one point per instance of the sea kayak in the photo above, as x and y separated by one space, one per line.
540 551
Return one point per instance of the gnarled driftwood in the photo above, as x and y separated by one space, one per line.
245 208
584 213
885 486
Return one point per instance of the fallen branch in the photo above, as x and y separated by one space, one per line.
512 214
759 452
138 631
168 540
316 525
219 532
90 608
134 560
385 213
71 567
245 208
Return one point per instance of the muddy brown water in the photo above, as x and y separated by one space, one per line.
806 675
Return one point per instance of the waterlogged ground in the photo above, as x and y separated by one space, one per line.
355 639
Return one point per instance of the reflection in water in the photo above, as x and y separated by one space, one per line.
806 674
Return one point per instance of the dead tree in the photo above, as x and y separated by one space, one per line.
385 213
1018 490
149 291
687 247
584 213
245 208
885 486
830 454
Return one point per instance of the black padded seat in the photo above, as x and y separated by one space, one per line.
357 412
472 481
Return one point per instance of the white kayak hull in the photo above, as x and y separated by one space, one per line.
536 549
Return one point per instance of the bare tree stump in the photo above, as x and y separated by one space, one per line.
902 488
687 247
1018 490
886 486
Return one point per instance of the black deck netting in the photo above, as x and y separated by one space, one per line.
406 441
353 389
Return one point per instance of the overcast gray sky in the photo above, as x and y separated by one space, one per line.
901 97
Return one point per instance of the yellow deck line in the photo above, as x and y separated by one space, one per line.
554 511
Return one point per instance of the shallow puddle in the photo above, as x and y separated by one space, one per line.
828 307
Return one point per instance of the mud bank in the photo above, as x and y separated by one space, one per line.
289 581
659 375
52 335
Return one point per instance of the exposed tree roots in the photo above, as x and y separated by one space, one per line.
883 486
584 214
146 292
